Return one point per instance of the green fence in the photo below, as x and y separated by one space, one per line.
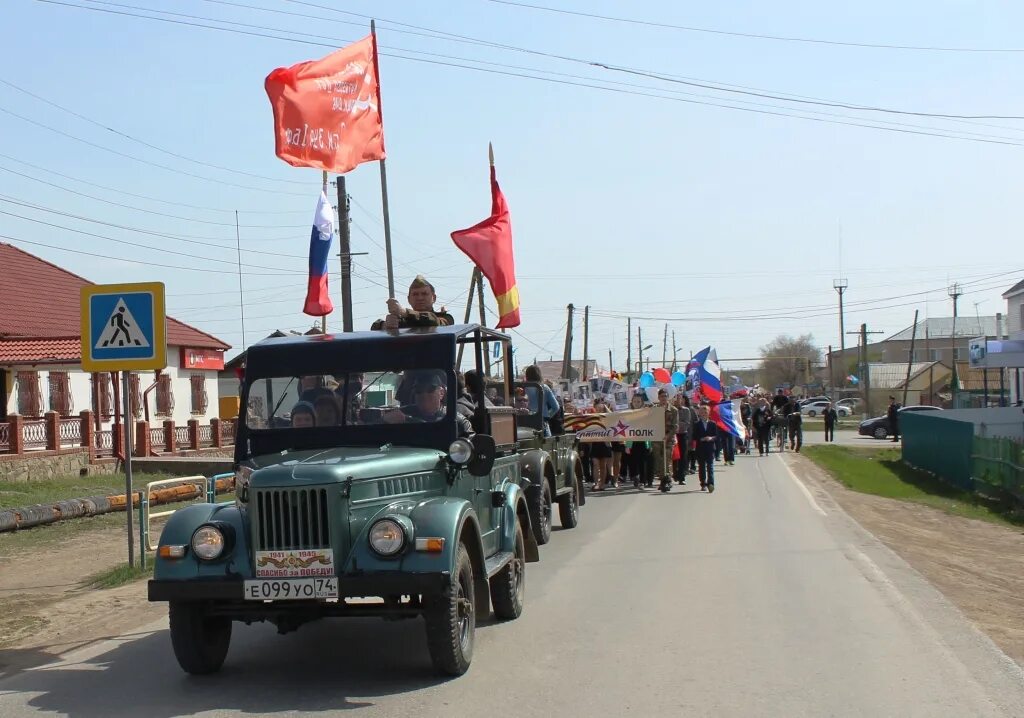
998 467
941 446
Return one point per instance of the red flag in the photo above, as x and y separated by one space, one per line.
327 112
489 245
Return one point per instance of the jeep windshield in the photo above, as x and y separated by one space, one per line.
348 399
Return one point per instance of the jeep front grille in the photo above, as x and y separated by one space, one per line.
291 519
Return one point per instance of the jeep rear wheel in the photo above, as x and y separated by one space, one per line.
569 509
541 510
200 641
451 619
508 586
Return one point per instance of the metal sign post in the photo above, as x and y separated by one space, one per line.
124 328
128 505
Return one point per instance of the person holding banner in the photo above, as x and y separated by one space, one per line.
663 449
601 454
638 460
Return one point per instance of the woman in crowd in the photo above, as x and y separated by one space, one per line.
762 420
549 405
601 455
638 461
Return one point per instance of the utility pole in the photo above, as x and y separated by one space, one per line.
674 350
910 359
955 292
639 352
483 315
840 286
567 351
345 246
865 369
586 339
611 366
664 346
629 346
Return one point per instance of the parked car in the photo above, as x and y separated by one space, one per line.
812 399
817 408
420 506
854 404
878 427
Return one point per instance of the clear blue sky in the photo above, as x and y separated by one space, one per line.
725 223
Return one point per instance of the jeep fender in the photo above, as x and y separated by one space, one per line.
532 465
514 511
178 531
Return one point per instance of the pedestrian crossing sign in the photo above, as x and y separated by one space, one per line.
124 327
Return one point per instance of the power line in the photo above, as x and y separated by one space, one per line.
146 197
142 209
937 132
151 146
756 36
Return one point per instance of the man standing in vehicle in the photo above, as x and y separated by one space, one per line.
421 312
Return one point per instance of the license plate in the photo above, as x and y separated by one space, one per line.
291 589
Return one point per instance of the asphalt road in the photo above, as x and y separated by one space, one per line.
763 599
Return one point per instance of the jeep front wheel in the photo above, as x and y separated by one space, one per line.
569 508
451 619
541 510
200 641
508 586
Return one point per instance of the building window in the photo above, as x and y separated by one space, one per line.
936 355
60 393
102 396
199 399
29 403
164 396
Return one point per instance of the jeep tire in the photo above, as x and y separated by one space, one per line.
451 619
508 586
569 508
541 510
200 641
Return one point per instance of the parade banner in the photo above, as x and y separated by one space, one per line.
647 424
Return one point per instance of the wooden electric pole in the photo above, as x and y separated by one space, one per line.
567 351
910 359
629 346
586 339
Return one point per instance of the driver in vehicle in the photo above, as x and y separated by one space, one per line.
428 393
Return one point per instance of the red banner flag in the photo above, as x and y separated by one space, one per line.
327 112
489 245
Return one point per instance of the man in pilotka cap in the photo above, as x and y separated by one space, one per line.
421 312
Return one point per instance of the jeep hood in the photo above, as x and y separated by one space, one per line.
339 464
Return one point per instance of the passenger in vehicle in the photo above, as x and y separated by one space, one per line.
312 388
327 411
421 312
303 415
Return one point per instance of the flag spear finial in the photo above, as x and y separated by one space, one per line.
490 153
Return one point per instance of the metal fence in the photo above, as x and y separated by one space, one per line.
157 437
940 446
71 432
34 434
998 467
205 435
181 436
5 437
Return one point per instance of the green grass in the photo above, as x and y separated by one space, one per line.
882 473
26 493
119 575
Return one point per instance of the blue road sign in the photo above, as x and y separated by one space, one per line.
123 327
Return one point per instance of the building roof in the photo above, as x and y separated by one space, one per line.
1015 289
942 328
41 301
892 375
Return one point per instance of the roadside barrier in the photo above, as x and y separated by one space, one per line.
41 514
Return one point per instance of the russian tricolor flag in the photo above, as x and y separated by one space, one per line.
318 301
708 381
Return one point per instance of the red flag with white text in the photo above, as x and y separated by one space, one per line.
327 112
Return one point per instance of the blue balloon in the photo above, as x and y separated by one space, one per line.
678 378
646 380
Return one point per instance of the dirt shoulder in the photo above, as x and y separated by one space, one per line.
46 606
978 565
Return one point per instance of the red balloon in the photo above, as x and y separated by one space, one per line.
662 376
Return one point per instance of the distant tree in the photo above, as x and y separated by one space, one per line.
788 360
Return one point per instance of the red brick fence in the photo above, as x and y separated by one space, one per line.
21 436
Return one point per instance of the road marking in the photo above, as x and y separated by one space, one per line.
803 487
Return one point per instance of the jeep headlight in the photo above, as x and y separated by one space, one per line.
460 452
208 542
387 537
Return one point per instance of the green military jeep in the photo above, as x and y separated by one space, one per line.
361 490
551 467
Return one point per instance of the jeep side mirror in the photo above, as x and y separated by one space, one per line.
484 452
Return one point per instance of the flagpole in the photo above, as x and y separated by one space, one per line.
383 172
323 318
241 299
